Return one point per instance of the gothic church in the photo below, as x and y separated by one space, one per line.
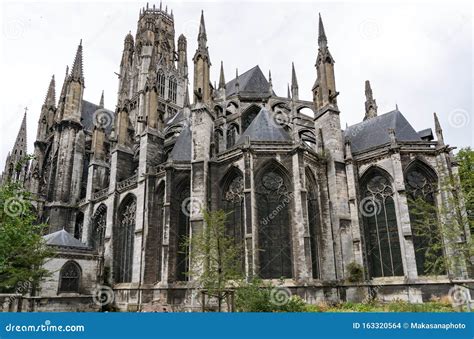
121 188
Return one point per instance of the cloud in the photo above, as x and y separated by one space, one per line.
416 55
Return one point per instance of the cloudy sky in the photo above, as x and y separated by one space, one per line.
418 55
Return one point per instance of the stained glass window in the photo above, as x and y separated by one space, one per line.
274 240
381 229
124 240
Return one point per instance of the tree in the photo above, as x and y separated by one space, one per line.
444 227
22 249
465 158
215 258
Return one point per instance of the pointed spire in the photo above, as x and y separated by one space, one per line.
288 92
370 103
202 37
76 72
101 103
221 77
63 89
19 150
438 130
294 83
270 83
186 97
322 39
50 99
237 84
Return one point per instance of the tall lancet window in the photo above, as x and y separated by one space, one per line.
274 240
161 83
124 238
313 222
97 233
380 226
421 190
232 134
234 205
172 89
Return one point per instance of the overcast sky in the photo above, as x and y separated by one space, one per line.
416 55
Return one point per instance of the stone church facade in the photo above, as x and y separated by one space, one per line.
121 188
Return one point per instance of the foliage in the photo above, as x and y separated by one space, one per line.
22 249
393 306
215 258
256 296
465 159
356 272
442 227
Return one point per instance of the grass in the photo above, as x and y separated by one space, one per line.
376 306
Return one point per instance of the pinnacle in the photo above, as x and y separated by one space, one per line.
76 72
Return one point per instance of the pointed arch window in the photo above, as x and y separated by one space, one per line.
380 227
172 89
70 278
313 223
125 236
181 209
421 190
232 134
79 225
97 234
233 204
274 242
161 83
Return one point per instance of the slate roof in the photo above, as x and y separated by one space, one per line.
182 148
264 128
374 132
251 83
87 115
426 134
64 239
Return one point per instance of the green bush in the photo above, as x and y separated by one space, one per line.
356 272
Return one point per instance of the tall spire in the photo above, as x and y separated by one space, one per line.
270 83
202 37
288 93
438 130
322 39
370 103
76 72
294 82
19 150
324 89
101 103
221 77
50 99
